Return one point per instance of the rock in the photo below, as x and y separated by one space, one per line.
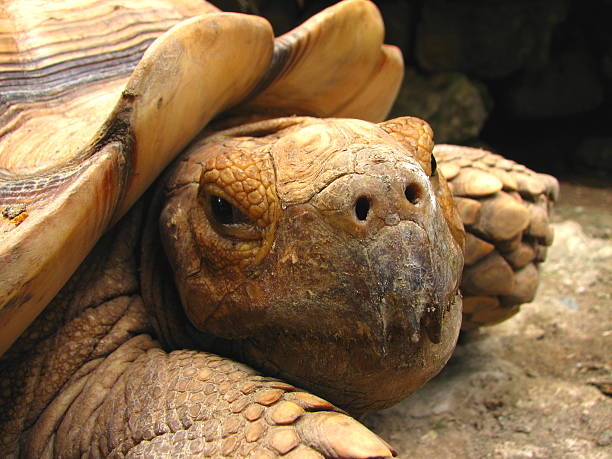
486 39
595 153
283 15
455 106
568 85
400 19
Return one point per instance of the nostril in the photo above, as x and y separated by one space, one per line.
362 208
413 193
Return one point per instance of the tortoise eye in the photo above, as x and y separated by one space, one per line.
222 210
229 221
226 213
434 165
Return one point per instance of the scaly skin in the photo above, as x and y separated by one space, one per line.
274 284
504 207
87 378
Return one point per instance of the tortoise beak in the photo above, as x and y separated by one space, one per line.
410 290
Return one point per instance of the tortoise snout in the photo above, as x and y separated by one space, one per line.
389 202
364 203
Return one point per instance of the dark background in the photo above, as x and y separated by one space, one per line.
529 79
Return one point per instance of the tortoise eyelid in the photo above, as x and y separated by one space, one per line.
227 219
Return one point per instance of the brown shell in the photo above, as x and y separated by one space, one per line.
99 96
505 209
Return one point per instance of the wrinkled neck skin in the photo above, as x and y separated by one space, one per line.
339 267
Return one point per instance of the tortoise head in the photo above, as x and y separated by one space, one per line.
328 249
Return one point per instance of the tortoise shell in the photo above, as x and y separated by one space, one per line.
98 97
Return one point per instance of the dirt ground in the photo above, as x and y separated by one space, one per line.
534 386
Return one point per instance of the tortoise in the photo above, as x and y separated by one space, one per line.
297 233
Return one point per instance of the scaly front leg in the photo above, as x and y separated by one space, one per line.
144 402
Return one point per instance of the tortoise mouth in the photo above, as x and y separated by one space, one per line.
429 324
359 375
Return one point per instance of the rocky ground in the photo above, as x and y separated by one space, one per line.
538 385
